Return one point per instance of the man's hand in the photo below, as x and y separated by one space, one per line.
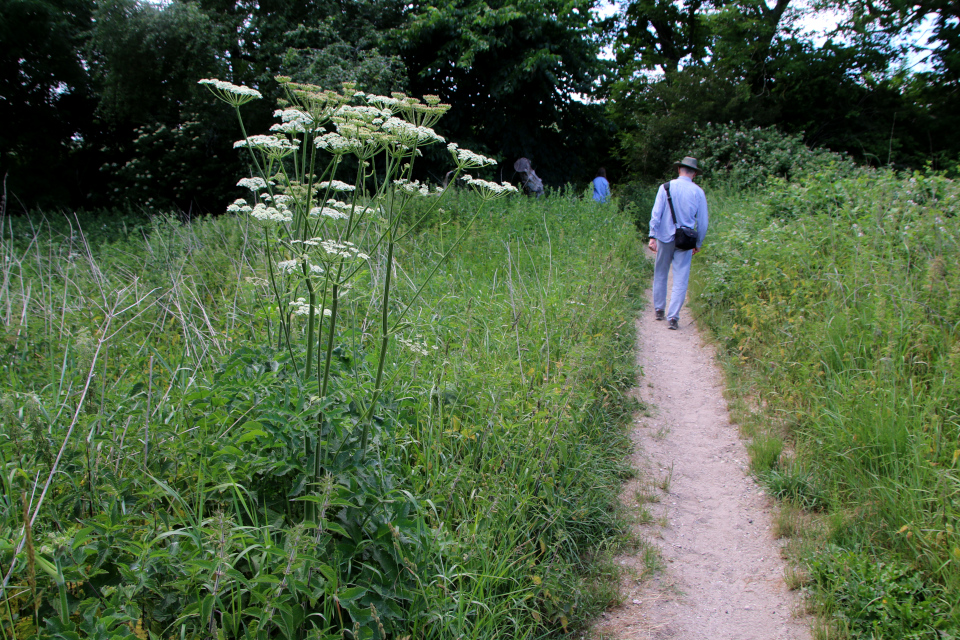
696 250
653 245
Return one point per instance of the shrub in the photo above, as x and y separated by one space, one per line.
746 158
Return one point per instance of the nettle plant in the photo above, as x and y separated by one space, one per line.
323 235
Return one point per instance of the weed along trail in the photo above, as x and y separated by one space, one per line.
719 574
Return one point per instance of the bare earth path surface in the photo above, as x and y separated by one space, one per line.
723 574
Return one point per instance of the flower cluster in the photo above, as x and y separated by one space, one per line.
328 212
416 346
293 121
466 159
254 184
409 134
336 185
346 250
490 190
239 206
270 216
299 267
230 93
413 186
336 144
301 308
271 146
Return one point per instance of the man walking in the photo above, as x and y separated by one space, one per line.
689 210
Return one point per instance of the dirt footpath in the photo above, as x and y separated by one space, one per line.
722 575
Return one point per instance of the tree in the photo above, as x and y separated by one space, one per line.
45 97
512 71
742 61
163 144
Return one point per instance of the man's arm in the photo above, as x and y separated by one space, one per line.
703 219
656 214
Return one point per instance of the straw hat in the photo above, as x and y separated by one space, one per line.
689 163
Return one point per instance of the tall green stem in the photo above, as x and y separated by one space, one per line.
384 343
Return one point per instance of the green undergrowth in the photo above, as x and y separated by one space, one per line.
835 301
142 374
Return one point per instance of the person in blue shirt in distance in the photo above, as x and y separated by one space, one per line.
601 188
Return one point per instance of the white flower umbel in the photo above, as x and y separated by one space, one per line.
273 146
383 102
270 216
362 114
336 144
239 206
295 115
346 250
254 184
279 199
419 348
300 267
328 212
302 308
336 185
491 190
466 159
413 187
230 93
410 134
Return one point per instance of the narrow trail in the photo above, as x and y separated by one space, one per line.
722 575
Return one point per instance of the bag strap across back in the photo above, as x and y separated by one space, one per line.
673 214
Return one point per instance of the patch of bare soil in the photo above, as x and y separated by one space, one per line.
722 574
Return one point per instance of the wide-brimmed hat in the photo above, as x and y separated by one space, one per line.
689 163
522 165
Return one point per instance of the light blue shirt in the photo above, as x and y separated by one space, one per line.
690 206
601 189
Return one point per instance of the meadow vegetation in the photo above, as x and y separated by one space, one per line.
138 375
834 297
345 412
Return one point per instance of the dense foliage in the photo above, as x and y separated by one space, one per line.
137 377
836 301
103 95
682 65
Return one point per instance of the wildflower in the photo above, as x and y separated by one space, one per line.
336 185
409 134
239 206
419 348
254 184
304 121
346 250
301 308
414 187
335 144
466 159
299 267
491 190
328 212
230 93
271 145
385 103
269 216
278 199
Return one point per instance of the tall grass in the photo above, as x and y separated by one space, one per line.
144 376
837 301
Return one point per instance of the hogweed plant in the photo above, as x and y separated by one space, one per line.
323 235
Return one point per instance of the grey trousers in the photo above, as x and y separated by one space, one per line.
667 255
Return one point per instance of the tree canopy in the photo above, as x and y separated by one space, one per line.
99 103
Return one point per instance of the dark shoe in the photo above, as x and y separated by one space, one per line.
660 314
673 324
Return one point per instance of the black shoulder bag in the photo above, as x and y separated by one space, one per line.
685 238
